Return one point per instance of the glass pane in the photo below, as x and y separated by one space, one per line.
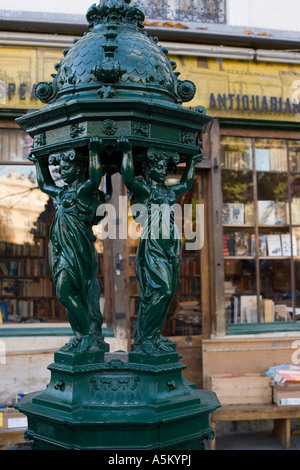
236 153
237 184
26 287
276 289
239 288
272 182
239 243
294 154
270 155
15 145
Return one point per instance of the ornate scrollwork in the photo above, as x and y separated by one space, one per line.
118 11
76 130
115 383
140 128
186 90
44 91
109 127
40 140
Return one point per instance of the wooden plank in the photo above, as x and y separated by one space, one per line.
247 389
216 231
254 412
282 432
11 436
206 310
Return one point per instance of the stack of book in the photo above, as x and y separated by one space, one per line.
286 384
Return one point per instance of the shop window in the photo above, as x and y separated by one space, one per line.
27 291
261 228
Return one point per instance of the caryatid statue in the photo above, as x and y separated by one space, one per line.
72 256
158 254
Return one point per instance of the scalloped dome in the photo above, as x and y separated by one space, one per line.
116 59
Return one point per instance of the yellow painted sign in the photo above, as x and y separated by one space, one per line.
229 88
242 89
20 70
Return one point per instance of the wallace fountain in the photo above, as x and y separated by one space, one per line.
115 105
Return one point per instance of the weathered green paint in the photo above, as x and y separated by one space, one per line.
115 105
120 403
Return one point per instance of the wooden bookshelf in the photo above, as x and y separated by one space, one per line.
260 214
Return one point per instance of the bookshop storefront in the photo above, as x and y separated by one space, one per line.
258 115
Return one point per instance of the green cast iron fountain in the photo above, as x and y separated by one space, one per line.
115 105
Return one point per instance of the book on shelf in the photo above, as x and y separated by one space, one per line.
237 214
241 244
262 245
286 242
266 212
228 245
268 308
281 313
234 306
295 209
274 245
233 213
190 266
274 159
281 213
251 315
249 213
278 159
248 307
262 159
8 287
12 309
237 160
4 311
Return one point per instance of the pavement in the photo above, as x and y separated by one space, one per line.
254 440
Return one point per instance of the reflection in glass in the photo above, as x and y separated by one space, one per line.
15 145
21 203
237 185
276 286
270 155
240 288
238 208
236 153
272 182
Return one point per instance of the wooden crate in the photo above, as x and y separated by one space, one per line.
282 394
242 389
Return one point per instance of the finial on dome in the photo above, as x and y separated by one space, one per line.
114 11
